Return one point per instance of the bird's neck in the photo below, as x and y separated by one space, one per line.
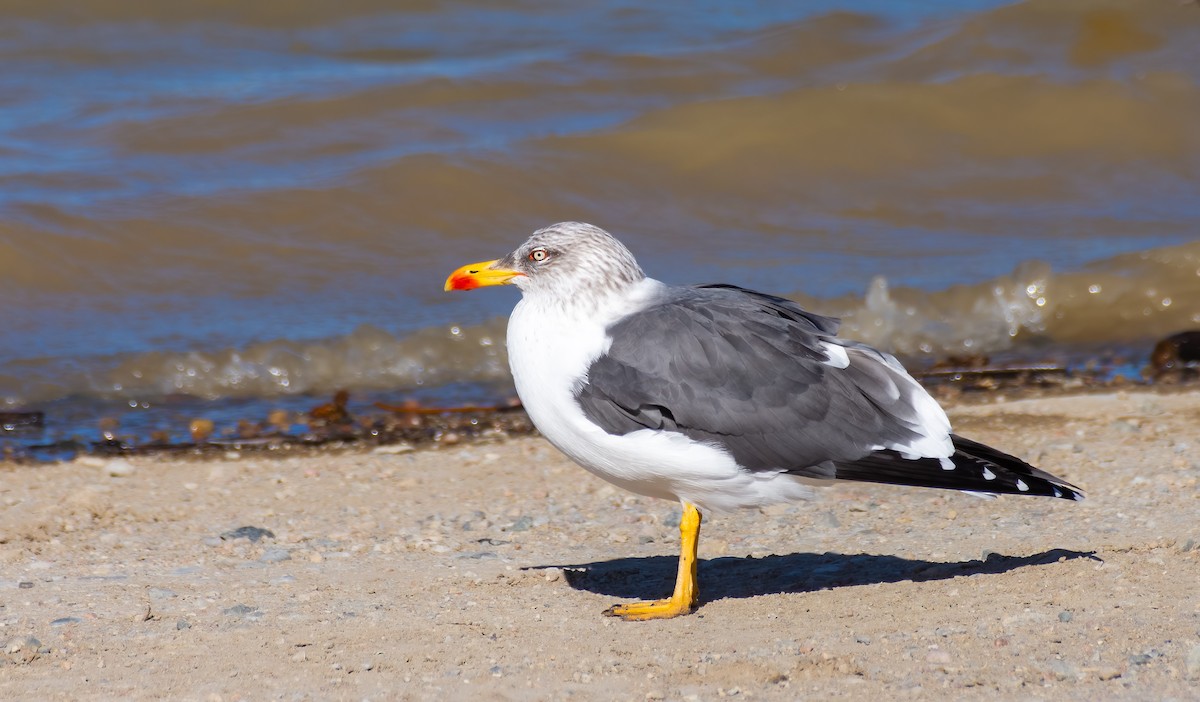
552 340
601 306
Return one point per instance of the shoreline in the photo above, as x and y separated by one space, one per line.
482 568
399 428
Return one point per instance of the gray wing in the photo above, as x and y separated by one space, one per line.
750 373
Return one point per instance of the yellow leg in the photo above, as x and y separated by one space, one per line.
683 600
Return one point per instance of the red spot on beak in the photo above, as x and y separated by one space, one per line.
459 281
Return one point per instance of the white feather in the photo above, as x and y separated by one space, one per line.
836 355
932 426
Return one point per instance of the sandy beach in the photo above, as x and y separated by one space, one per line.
480 571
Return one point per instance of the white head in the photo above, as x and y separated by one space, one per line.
561 261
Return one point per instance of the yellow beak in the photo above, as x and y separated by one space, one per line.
478 275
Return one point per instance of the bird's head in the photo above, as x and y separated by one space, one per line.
563 259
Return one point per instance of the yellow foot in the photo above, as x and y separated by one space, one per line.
683 600
654 609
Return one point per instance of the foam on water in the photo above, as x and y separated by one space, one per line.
1126 300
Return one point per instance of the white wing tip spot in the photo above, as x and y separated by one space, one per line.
1057 492
947 464
835 355
1022 486
988 475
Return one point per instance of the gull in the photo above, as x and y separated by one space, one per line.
716 396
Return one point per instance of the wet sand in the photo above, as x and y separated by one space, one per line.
480 571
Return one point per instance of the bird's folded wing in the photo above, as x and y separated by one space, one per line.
759 377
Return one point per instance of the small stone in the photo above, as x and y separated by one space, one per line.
118 468
1140 659
1108 673
200 429
1065 616
63 621
25 585
864 640
253 533
283 580
937 655
388 449
240 610
496 671
280 419
299 656
183 624
275 555
521 524
22 643
366 666
161 593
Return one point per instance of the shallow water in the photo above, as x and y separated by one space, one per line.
241 206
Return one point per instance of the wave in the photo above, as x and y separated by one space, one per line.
1122 300
366 359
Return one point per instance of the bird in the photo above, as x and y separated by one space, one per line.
716 396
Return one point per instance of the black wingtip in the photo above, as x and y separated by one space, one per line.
976 468
1016 471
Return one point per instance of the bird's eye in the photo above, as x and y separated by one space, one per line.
538 255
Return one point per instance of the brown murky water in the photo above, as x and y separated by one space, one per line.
240 205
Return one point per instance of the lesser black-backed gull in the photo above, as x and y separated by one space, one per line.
716 396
